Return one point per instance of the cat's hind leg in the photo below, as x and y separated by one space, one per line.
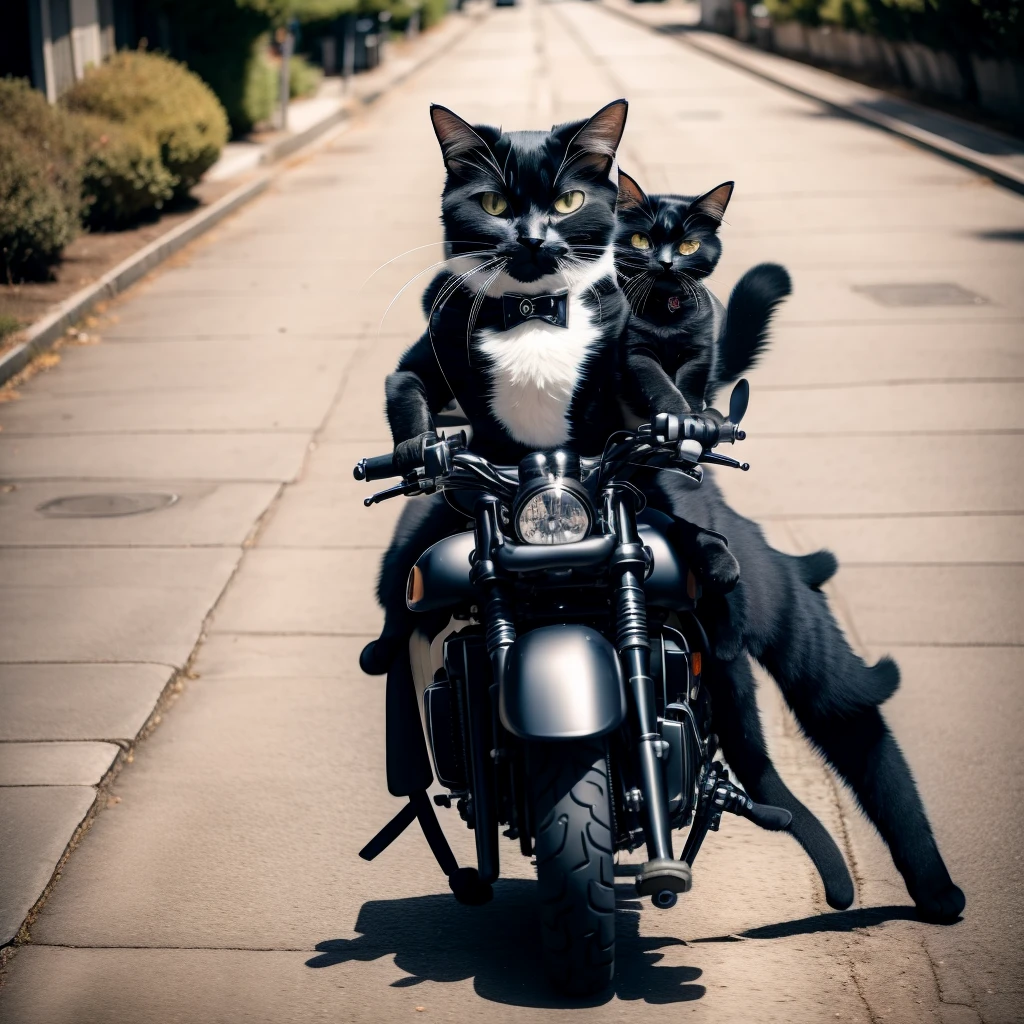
806 652
835 698
423 522
736 719
867 757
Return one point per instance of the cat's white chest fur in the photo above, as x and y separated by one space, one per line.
535 369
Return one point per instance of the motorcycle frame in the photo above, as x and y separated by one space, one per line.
476 662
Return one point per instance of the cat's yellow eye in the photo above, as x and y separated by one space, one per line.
493 203
569 202
688 246
639 241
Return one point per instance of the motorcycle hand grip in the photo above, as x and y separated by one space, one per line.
774 819
377 467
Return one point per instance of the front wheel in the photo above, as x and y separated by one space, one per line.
571 795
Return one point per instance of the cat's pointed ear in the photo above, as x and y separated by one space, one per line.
594 144
712 204
462 146
631 196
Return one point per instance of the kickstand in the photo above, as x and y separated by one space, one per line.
464 882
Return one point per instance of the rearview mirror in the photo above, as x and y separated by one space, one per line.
738 400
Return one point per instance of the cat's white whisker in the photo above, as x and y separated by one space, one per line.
474 311
416 248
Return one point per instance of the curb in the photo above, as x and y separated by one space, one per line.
42 334
997 171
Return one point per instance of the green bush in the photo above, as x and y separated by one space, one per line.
433 12
123 177
8 325
164 101
35 220
221 41
807 12
303 77
51 132
989 27
259 97
401 13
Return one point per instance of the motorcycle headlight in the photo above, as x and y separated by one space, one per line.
552 515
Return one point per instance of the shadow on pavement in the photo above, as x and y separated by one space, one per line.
434 938
841 921
976 138
1001 235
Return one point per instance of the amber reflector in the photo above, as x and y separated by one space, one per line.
695 662
414 591
691 586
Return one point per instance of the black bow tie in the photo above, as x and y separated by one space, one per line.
552 309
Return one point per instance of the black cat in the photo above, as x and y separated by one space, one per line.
536 211
676 352
681 343
777 614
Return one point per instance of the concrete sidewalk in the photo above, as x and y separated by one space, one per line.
219 880
989 152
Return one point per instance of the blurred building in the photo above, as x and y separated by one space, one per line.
52 42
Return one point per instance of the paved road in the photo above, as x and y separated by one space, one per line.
220 882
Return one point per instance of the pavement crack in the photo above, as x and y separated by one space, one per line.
933 967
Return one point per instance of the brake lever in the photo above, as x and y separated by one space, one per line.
723 460
409 487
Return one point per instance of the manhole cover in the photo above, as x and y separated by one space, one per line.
104 506
924 294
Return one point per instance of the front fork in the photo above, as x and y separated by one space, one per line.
629 564
486 736
661 877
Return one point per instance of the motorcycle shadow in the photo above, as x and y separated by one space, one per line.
434 938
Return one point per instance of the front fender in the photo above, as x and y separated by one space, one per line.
562 683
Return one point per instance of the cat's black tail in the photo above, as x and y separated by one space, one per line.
738 724
753 301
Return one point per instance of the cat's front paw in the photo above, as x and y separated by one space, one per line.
942 905
719 570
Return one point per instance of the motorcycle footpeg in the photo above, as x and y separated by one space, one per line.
658 875
773 819
728 798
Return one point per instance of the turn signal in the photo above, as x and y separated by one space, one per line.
414 589
695 662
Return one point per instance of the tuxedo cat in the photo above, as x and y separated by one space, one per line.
676 352
682 343
523 330
523 322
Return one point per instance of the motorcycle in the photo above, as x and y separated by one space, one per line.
563 699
